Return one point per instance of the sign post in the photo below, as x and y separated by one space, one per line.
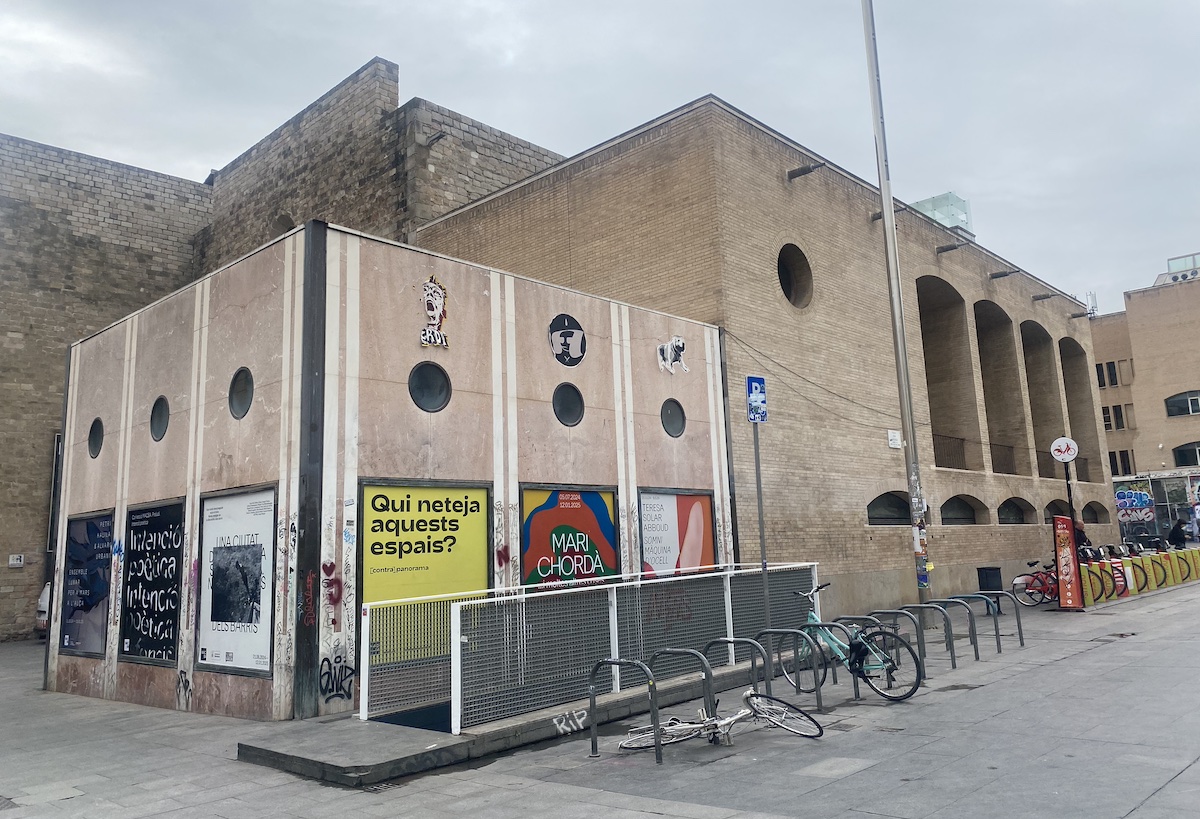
1066 560
1064 451
756 413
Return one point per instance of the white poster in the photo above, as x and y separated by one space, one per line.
677 533
238 571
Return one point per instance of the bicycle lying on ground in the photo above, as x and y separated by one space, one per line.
876 654
758 707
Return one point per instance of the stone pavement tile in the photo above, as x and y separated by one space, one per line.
217 792
1152 812
40 795
501 780
1177 795
662 807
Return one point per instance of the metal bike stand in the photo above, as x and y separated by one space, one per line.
1015 606
710 699
650 690
992 608
972 634
755 645
849 640
920 607
797 636
859 619
920 632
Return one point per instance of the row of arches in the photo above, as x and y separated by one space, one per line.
1057 381
891 509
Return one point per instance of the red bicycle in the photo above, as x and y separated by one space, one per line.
1036 587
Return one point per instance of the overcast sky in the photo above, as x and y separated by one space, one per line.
1069 125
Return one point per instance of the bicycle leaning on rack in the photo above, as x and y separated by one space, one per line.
1035 587
718 730
876 654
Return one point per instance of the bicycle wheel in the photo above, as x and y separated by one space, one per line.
784 715
1185 570
803 665
1122 586
1139 577
890 666
1160 574
673 730
1108 583
1026 589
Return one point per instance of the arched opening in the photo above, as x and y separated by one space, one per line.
281 224
1094 512
961 510
1002 399
1016 511
1045 391
1078 377
795 275
949 375
889 509
1055 508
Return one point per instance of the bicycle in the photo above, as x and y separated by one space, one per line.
1033 588
718 730
877 655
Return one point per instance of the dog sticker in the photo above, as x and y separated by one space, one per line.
670 354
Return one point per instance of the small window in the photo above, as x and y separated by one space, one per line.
673 419
568 404
429 387
958 511
1089 514
1056 508
889 509
1111 368
1107 418
1125 465
160 416
96 437
1100 375
1118 417
1132 462
241 393
1112 463
795 275
281 224
1010 512
1185 455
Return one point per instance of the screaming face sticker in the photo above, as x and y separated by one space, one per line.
567 340
433 298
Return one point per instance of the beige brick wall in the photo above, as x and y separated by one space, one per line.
688 214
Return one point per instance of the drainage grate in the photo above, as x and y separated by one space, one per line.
841 726
382 786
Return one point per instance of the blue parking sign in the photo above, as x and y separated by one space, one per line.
756 399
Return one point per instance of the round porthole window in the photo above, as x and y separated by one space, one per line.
241 393
673 419
429 387
95 437
568 405
160 416
795 275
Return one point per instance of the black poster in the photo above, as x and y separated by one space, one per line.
150 593
85 585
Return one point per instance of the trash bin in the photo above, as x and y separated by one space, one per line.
989 578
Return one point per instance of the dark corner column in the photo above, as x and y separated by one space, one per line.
737 557
51 556
312 424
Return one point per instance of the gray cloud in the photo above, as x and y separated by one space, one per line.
1066 124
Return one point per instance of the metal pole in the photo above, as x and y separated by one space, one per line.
762 537
912 463
1070 500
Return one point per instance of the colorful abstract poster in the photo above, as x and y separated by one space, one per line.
237 552
419 541
568 535
1070 586
1133 494
86 582
677 533
150 593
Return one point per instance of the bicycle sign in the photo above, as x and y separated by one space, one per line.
1064 450
756 399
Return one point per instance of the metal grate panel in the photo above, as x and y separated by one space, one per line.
683 613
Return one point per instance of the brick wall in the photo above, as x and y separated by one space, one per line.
83 241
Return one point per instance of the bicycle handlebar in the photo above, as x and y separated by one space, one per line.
811 594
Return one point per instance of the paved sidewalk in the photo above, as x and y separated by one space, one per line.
1096 717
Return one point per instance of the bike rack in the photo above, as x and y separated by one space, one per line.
797 635
650 690
859 619
710 699
993 609
1016 608
920 607
768 671
972 634
920 632
832 664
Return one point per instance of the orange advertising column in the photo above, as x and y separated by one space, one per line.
1070 588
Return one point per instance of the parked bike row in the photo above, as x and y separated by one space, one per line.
868 648
1111 573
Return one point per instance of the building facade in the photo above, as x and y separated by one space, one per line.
1150 400
707 213
83 241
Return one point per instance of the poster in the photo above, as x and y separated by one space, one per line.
237 548
423 540
150 591
86 582
677 533
567 535
1070 591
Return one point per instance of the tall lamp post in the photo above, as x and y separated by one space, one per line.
912 462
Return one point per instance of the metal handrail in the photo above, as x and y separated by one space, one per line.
710 699
920 607
1015 606
797 635
651 691
991 608
768 671
972 634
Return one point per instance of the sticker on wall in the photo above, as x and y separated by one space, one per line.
670 354
567 340
567 535
86 584
677 533
433 296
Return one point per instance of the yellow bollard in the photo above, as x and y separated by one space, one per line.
1130 582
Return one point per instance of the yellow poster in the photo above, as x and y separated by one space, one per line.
423 540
